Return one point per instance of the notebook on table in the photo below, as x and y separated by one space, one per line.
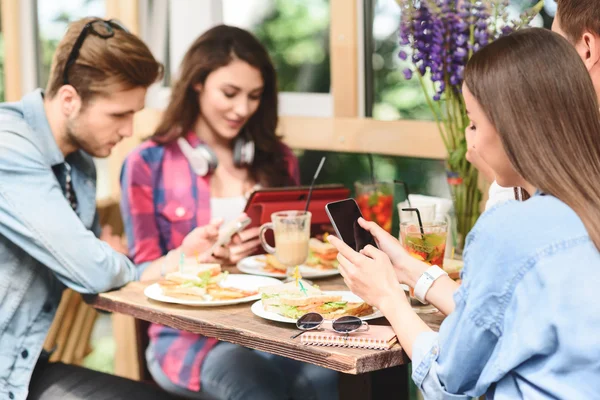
378 337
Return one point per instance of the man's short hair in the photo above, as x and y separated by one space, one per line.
577 17
103 64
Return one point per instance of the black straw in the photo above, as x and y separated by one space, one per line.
371 168
313 183
405 190
419 218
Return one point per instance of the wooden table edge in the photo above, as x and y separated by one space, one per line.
314 354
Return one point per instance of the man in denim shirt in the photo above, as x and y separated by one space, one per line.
48 221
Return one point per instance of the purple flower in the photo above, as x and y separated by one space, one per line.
407 74
442 34
506 30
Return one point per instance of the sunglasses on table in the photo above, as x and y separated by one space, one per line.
99 27
313 321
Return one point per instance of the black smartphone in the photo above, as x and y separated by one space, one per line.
344 215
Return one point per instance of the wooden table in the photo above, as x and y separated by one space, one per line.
367 374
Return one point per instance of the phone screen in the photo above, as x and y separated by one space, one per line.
344 216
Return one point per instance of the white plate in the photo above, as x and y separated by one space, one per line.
257 308
254 265
239 281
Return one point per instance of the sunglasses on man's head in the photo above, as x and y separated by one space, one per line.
347 324
99 27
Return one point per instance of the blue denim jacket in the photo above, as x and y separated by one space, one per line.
44 244
527 317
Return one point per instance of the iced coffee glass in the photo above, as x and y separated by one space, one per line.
292 233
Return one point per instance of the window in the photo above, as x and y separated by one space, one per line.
294 32
53 18
389 95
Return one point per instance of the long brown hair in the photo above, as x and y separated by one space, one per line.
122 59
536 91
214 49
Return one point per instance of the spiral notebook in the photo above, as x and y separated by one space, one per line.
377 337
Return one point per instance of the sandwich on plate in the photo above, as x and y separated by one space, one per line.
322 255
200 282
273 265
293 301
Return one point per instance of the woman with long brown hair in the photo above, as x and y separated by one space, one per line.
525 320
215 143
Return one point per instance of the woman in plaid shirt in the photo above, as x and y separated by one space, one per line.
224 101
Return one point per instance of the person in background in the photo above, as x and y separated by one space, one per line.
579 22
216 142
49 230
516 327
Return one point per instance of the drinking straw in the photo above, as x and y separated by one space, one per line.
371 168
313 183
398 182
181 259
419 218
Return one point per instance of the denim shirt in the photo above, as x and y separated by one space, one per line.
44 245
527 318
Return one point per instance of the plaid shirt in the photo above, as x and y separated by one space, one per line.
162 201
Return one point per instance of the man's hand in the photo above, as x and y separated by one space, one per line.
118 243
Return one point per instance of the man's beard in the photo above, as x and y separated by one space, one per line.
75 140
72 138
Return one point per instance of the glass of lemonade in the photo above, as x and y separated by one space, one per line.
292 234
429 245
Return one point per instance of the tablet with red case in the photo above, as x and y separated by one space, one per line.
264 202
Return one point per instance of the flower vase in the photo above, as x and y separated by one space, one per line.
466 198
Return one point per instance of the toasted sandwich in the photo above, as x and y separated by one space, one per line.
453 268
293 301
273 264
193 281
322 255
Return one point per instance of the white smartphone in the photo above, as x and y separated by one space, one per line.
228 230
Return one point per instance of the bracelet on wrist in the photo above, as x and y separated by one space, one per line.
426 280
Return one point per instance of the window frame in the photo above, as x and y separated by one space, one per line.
190 18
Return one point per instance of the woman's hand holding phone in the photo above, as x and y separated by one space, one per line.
244 244
236 242
369 274
201 239
408 269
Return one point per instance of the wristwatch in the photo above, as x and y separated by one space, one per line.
426 280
